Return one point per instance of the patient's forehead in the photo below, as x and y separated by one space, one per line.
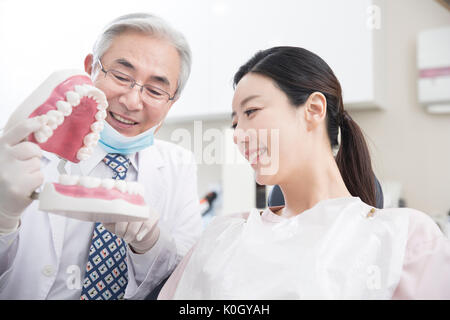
256 88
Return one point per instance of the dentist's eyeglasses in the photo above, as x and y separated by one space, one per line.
150 94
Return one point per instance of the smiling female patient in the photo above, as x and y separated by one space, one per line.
328 241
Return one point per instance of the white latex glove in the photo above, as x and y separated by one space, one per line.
141 236
20 172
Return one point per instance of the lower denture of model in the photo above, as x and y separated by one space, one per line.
107 189
120 200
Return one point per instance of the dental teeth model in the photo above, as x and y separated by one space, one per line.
71 111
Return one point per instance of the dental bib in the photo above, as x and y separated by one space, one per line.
339 249
72 113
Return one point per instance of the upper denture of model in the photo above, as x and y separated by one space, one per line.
72 113
72 117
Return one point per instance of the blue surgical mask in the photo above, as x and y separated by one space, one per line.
114 142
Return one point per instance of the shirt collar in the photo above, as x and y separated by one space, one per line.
98 153
134 160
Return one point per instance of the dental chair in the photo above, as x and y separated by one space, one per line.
276 196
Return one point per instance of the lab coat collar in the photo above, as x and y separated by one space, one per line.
153 155
151 176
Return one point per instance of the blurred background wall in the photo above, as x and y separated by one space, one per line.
408 144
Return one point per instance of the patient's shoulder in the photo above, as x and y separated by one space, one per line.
421 226
238 215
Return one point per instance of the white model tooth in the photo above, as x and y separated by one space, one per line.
57 115
84 153
64 107
101 105
130 187
90 182
43 119
96 182
62 178
84 181
98 96
47 131
93 92
40 137
91 139
121 185
133 187
101 98
90 89
108 183
67 180
43 134
100 115
81 90
73 98
52 121
97 126
59 118
88 86
140 189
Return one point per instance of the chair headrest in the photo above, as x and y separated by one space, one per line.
276 196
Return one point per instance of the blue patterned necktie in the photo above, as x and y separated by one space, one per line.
106 275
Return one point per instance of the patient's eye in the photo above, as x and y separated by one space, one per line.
250 111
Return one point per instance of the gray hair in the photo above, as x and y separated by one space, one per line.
152 25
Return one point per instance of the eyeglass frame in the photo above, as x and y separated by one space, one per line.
134 82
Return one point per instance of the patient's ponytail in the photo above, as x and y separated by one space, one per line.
353 160
298 73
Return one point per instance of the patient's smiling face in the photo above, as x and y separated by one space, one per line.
269 131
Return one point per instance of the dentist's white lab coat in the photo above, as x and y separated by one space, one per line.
46 257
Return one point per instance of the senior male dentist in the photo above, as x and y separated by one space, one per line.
141 64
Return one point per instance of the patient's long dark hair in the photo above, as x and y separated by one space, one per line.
298 73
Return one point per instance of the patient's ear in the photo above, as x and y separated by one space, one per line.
88 64
315 110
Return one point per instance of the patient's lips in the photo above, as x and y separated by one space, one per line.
72 118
